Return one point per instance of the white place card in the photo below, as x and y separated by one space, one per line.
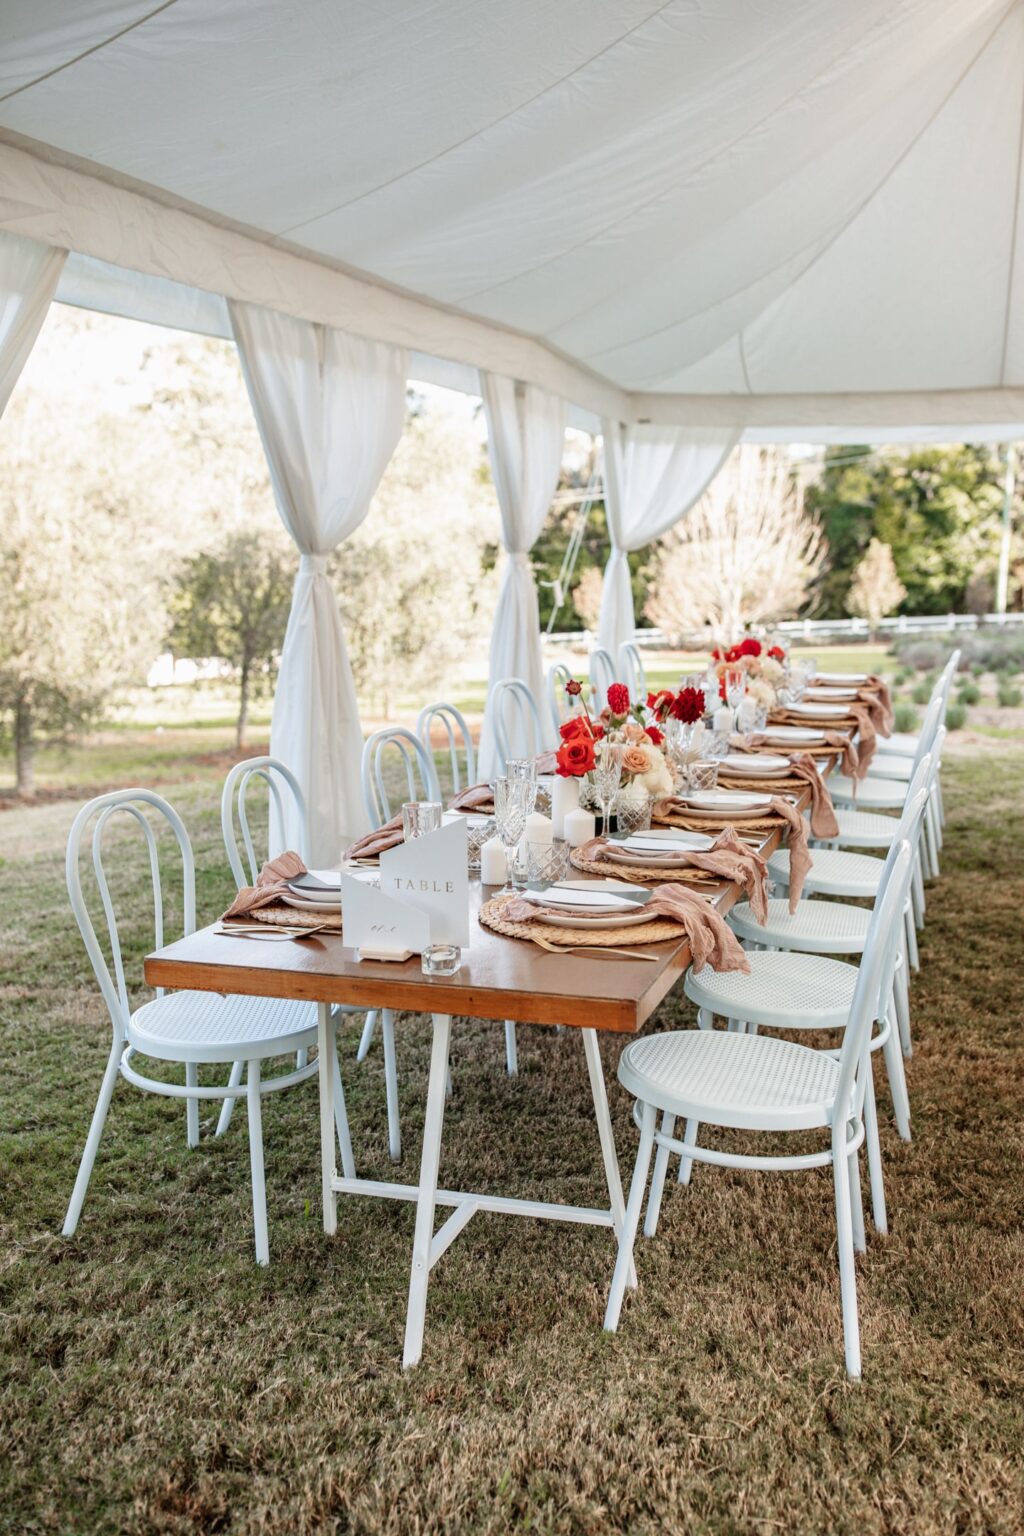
379 926
431 875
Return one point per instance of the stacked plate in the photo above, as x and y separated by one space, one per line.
793 736
727 802
592 904
844 679
830 693
666 848
819 711
319 890
755 765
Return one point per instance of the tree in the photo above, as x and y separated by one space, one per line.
586 597
876 589
747 553
233 603
937 507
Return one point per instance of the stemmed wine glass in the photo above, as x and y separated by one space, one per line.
735 686
513 802
607 773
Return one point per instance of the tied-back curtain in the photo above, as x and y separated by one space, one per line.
28 277
652 477
525 437
330 409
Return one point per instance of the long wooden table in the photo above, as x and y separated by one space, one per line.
501 978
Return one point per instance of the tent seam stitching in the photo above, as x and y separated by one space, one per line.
86 52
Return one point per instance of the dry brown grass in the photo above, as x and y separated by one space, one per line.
156 1381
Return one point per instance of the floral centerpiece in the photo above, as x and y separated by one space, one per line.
644 767
765 667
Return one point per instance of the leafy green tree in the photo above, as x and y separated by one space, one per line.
937 508
232 603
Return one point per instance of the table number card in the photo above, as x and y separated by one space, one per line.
378 926
431 874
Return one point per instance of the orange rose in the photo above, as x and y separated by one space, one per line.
635 760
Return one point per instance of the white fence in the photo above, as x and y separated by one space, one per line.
816 629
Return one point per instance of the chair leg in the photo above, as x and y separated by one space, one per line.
92 1141
259 1188
902 997
366 1038
192 1105
878 1212
917 891
911 932
632 1219
227 1109
511 1053
668 1126
860 1241
705 1018
301 1059
847 1265
391 1084
893 1053
689 1140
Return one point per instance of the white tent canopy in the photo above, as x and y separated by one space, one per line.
797 217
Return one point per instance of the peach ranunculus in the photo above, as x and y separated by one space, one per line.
635 760
633 732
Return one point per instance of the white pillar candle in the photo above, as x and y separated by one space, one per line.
493 864
565 797
580 827
723 720
538 829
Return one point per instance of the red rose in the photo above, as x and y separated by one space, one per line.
660 703
656 737
598 732
777 653
576 728
733 653
572 687
749 647
575 758
689 705
618 699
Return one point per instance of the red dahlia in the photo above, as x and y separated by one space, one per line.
618 699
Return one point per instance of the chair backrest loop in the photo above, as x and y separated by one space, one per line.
632 673
459 742
602 675
416 760
279 781
516 720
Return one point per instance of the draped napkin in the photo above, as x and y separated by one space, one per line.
875 694
728 857
475 797
374 843
712 941
846 747
799 853
271 884
823 816
867 737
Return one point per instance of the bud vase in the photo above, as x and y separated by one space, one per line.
565 797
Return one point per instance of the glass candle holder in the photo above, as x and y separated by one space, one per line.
478 832
633 811
420 817
546 863
441 960
702 776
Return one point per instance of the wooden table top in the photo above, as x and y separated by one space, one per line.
501 978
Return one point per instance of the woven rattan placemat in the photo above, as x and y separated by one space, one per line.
638 874
282 916
654 932
697 823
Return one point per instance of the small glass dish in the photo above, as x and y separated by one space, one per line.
546 863
441 960
420 817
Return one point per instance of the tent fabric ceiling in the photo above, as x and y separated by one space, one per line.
707 199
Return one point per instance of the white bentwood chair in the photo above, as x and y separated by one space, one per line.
763 1084
282 786
518 731
558 700
602 675
461 755
188 1028
420 774
632 673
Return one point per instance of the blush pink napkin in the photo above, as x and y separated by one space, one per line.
799 854
867 737
712 941
843 744
728 857
874 694
271 883
475 797
823 816
385 837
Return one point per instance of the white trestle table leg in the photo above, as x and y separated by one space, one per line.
426 1200
607 1136
327 1063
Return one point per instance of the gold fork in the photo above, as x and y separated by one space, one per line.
592 949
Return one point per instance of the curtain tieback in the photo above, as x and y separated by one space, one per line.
519 557
313 565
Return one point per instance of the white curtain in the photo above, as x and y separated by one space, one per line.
28 277
525 436
330 409
652 477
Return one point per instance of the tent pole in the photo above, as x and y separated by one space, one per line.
1009 484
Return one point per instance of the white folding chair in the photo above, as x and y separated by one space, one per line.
420 774
602 675
631 672
763 1084
558 699
461 755
188 1028
517 726
280 783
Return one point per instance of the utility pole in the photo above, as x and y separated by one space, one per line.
1009 485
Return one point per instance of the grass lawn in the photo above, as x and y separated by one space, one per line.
155 1380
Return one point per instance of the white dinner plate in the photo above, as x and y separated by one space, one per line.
589 893
830 693
663 856
763 765
726 802
793 736
668 838
610 920
304 904
819 711
844 679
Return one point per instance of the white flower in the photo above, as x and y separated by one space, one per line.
772 671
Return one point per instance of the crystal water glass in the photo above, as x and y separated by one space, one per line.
607 775
735 686
524 768
633 811
420 817
547 863
513 802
